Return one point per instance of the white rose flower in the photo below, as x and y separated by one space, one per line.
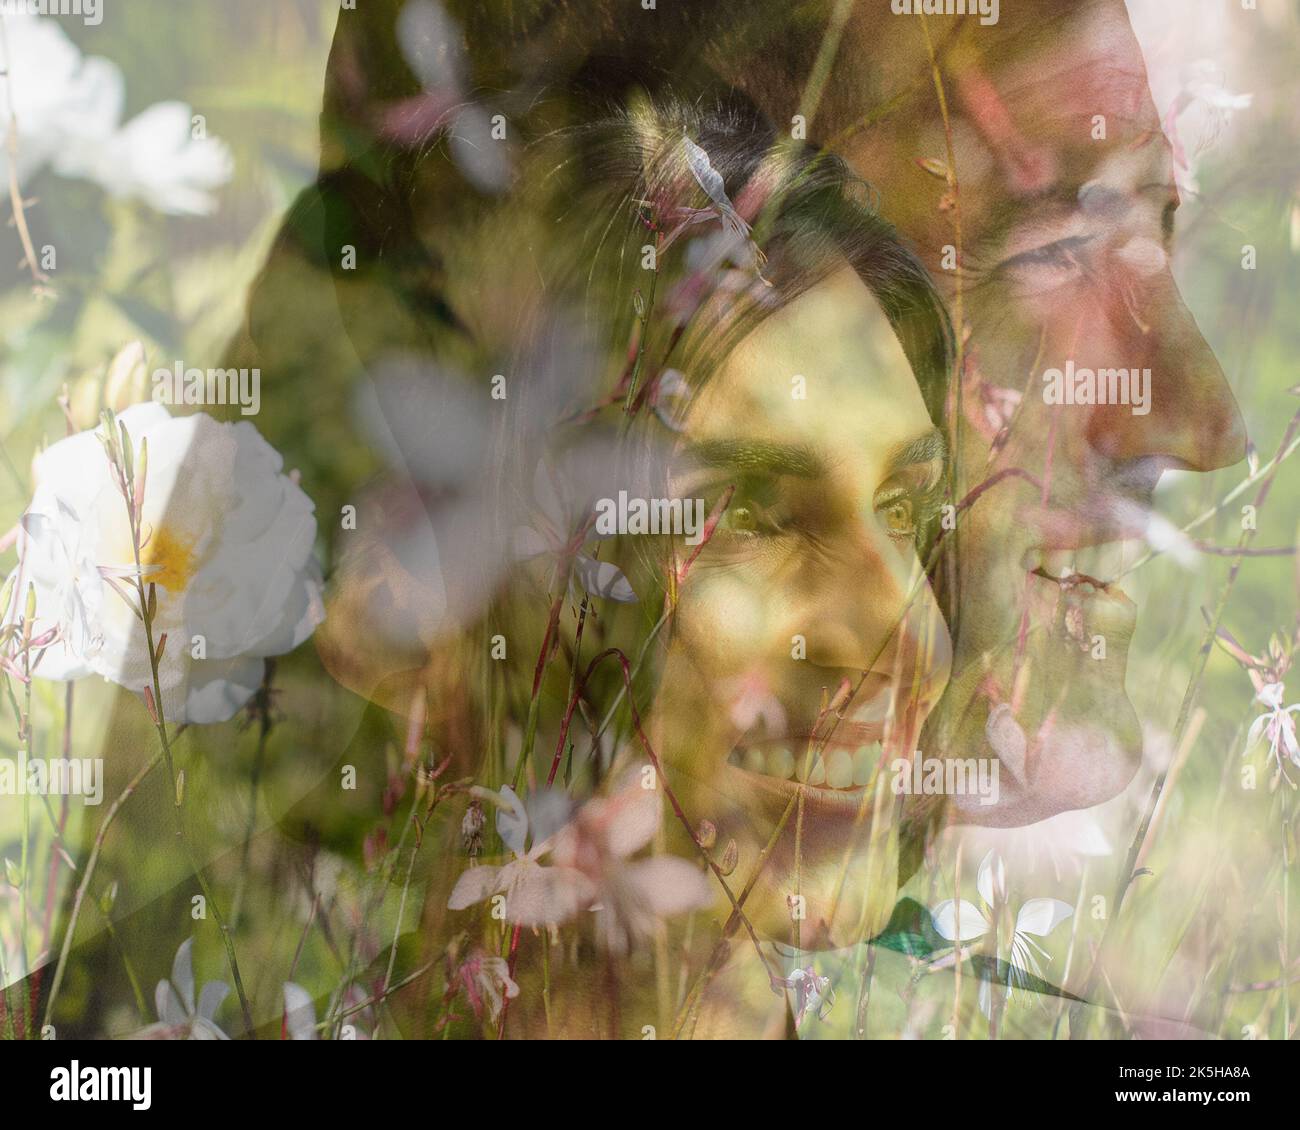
227 541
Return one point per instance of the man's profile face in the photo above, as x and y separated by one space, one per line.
1085 375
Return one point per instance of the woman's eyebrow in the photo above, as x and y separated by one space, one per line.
927 448
758 455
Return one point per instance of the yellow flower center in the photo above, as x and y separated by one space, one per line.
168 560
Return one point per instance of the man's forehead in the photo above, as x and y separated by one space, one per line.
1056 103
1080 67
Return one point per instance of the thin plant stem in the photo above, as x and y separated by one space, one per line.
80 897
136 990
263 709
39 277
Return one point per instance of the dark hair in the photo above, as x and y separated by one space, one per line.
810 214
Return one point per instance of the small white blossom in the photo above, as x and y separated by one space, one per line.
69 113
180 1017
1276 727
1036 918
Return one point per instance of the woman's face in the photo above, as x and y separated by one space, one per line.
812 578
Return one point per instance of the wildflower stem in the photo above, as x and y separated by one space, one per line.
630 404
401 915
722 948
378 998
262 706
1284 947
136 991
79 898
25 745
11 147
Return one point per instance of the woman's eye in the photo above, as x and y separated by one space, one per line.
747 517
742 519
899 517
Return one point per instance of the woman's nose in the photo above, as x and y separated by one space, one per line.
1193 417
875 612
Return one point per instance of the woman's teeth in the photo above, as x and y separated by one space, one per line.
832 769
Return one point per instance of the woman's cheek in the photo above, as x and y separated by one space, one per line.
724 618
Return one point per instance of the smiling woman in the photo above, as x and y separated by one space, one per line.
713 315
811 590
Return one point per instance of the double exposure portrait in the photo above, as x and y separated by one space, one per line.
639 520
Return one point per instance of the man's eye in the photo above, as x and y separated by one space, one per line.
1060 255
1053 262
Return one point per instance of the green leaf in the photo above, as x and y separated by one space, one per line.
999 972
910 930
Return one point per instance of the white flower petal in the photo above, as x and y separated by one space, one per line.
204 1029
473 886
215 690
483 159
1270 694
512 821
299 1012
991 882
211 998
171 1009
1042 916
600 578
669 886
430 43
183 974
973 922
543 896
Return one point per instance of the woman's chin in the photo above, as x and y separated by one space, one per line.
826 859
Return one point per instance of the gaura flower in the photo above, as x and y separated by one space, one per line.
227 541
179 1017
812 994
487 983
535 894
630 895
1267 670
553 530
591 866
735 243
1276 726
430 41
1036 918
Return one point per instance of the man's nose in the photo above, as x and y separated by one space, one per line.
1193 417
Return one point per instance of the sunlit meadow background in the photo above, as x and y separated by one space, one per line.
1204 933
